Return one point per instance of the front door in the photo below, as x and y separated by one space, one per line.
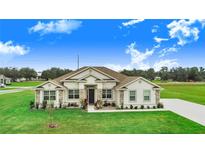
91 96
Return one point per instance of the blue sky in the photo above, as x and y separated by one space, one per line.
118 44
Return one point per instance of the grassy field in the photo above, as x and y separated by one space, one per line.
15 117
194 92
25 84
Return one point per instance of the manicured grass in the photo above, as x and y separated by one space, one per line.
26 83
194 92
15 117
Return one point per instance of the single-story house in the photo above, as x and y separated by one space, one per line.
98 83
4 80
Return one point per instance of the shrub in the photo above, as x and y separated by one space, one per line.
113 104
148 107
160 105
154 107
126 107
108 104
105 104
136 107
44 105
32 105
121 107
131 107
69 104
60 105
37 106
142 107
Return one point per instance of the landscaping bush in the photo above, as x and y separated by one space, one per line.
160 105
105 104
60 105
142 107
108 104
44 105
121 107
131 107
136 107
37 106
154 107
148 107
113 104
69 104
126 107
32 105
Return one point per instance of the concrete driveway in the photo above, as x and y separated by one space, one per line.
192 111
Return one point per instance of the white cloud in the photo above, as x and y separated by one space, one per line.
159 40
184 31
168 50
202 21
132 22
167 62
155 28
137 59
137 56
58 26
8 48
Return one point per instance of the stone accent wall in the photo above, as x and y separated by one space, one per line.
61 96
82 94
121 97
157 93
99 94
37 97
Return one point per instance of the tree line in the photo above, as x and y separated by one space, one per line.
173 74
30 73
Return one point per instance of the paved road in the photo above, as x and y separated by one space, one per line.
18 89
192 111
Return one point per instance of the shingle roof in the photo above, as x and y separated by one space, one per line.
126 80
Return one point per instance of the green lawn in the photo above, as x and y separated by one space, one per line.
15 117
25 83
194 92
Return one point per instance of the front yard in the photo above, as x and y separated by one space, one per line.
25 84
15 117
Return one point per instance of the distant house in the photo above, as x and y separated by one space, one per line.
94 84
5 80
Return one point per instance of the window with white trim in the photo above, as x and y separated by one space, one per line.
132 95
147 94
107 93
49 95
73 93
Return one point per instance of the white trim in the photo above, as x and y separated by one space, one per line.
50 81
131 101
138 79
149 95
95 69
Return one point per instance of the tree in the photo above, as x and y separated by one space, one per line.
28 73
54 73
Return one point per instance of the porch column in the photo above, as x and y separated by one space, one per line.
157 95
37 97
121 97
82 94
99 94
60 96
